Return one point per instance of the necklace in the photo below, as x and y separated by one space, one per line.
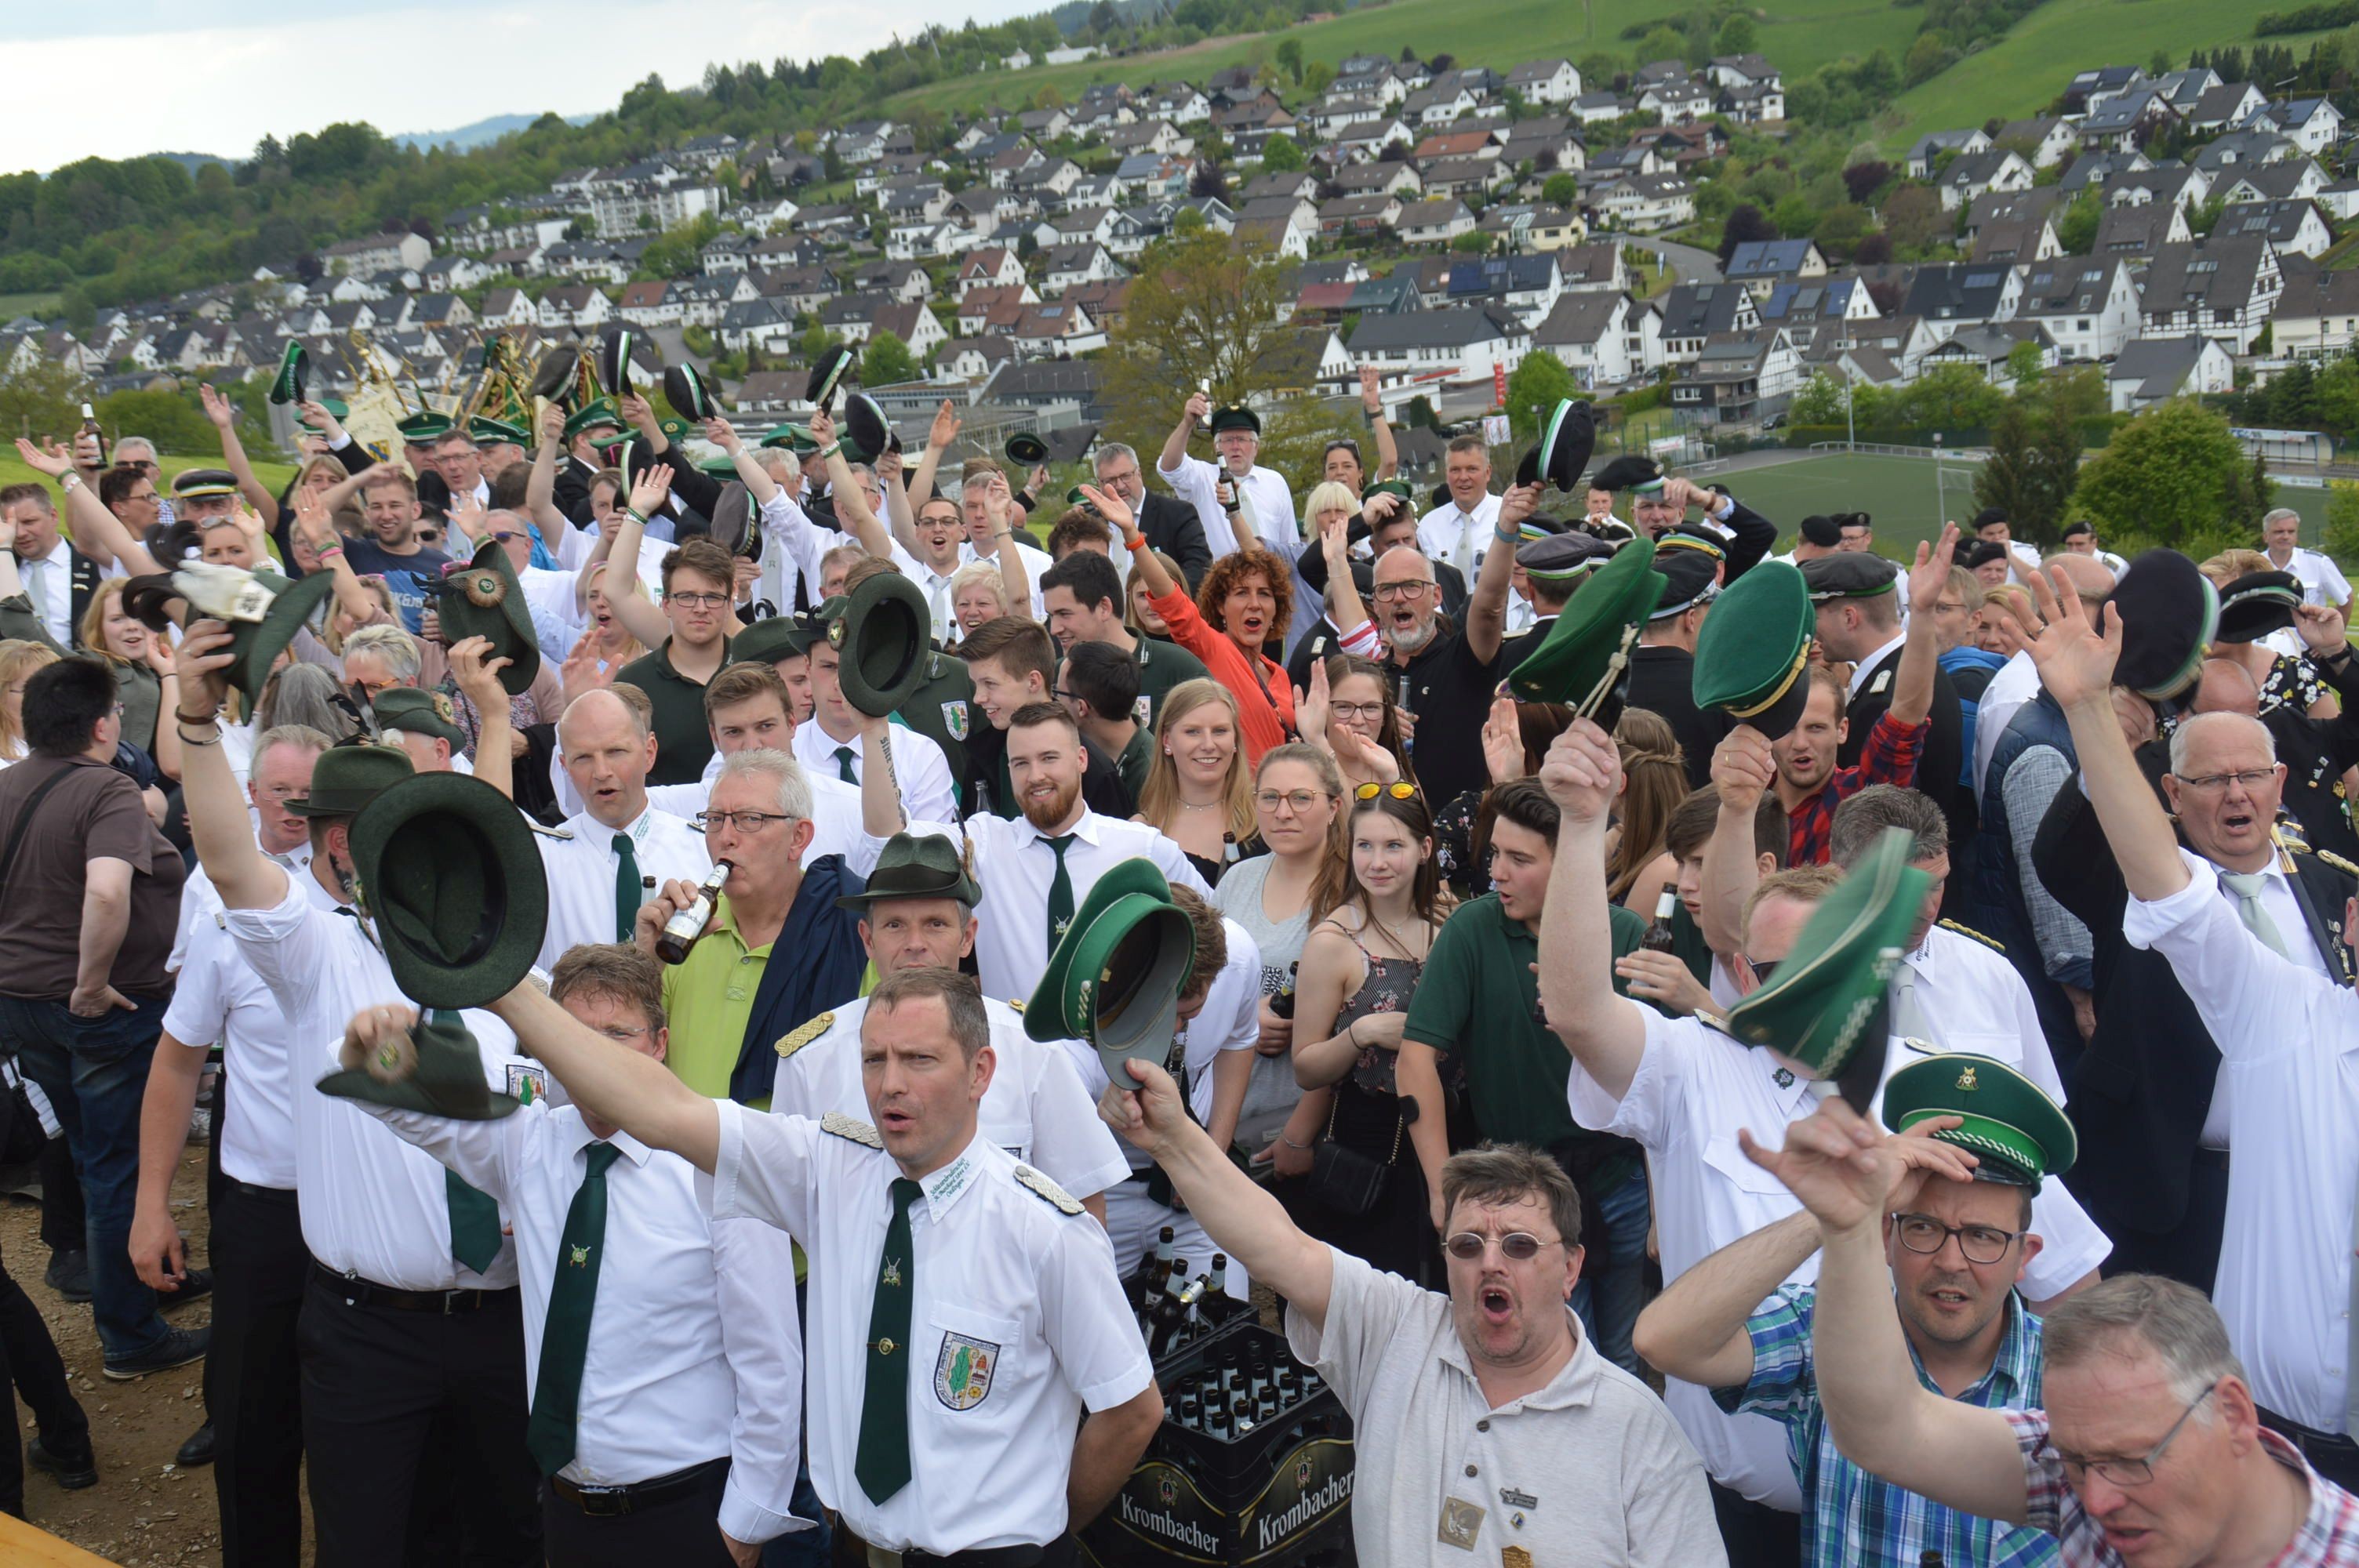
1388 933
1191 806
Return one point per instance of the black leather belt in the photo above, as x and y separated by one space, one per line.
611 1502
357 1292
974 1557
2212 1159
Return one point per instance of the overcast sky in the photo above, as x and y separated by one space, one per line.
214 76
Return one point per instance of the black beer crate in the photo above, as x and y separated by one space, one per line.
1277 1496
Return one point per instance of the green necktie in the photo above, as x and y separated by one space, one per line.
626 888
1060 891
565 1333
843 765
474 1217
882 1462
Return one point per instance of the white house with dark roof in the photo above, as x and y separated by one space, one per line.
2155 370
1443 348
2089 305
2225 287
1545 82
2318 315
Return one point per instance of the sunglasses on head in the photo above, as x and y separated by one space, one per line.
1399 789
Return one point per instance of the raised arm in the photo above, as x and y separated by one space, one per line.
223 414
1240 1215
1387 449
1117 511
750 472
2076 664
216 808
1912 687
1175 445
1695 1330
852 506
1604 1032
1014 582
478 678
626 594
1343 606
97 533
1881 1417
1742 770
1486 606
939 438
311 522
540 484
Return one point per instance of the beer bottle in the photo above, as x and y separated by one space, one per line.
89 426
1282 1003
681 932
1164 1326
1216 1306
1657 938
1157 1271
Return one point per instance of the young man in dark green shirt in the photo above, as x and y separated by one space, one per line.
1083 595
1476 1018
698 584
1099 686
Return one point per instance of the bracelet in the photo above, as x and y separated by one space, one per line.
181 718
635 516
330 550
1137 544
209 737
1290 1143
69 481
1505 536
828 450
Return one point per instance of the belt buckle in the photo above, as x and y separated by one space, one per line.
603 1502
882 1557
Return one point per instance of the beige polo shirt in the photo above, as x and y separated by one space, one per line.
1590 1469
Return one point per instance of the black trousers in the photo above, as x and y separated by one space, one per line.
254 1385
1756 1535
413 1424
683 1533
65 1223
29 1359
2189 1251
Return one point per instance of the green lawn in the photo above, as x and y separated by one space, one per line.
13 469
1898 494
15 305
1806 35
2024 71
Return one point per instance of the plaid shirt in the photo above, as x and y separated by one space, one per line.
2329 1536
1849 1518
1888 756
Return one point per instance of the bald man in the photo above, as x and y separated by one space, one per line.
619 849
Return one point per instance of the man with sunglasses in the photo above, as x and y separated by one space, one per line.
1957 1237
2150 1447
1485 1420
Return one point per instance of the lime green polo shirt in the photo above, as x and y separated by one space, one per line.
1477 1001
708 999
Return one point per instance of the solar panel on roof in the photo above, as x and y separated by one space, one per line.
1981 279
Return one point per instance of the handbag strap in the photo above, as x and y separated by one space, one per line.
1400 1125
25 820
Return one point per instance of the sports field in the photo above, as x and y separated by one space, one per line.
1898 494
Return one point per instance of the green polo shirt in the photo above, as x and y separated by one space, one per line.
1161 667
1477 999
708 1000
1137 761
683 740
943 709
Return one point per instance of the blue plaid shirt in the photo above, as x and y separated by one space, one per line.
1854 1519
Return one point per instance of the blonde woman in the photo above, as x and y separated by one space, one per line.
144 681
19 659
977 595
1197 793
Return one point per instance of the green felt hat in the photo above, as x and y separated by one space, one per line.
1584 659
261 610
443 1076
490 432
721 465
675 430
1827 1007
775 637
189 484
1754 648
1235 420
1563 449
884 629
1078 497
483 598
294 369
1115 978
1400 487
416 712
349 776
917 865
611 362
686 390
446 869
2010 1125
424 427
598 413
1024 450
796 438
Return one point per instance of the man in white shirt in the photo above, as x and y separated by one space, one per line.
621 846
1461 531
412 1267
1992 527
964 1312
919 913
1034 871
1264 506
661 1348
1683 1090
57 578
829 746
2323 581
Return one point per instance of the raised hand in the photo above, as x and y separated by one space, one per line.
376 1041
1148 1112
52 459
650 491
477 674
217 407
581 672
822 427
1199 408
1374 510
723 434
160 655
1741 767
1371 398
2320 626
1835 1163
1520 501
637 412
315 414
2076 660
552 426
86 452
204 660
1662 978
1582 772
1114 509
1502 741
945 427
1931 574
1310 708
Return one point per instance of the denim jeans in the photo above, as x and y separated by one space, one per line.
95 1071
1608 1302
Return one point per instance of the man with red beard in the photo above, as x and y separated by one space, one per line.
1034 871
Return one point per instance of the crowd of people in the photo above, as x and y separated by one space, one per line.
1714 1052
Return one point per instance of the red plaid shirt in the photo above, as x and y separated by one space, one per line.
2329 1536
1890 756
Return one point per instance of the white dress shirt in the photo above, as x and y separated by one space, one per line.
554 600
998 1271
2012 685
1229 1020
2284 910
1036 1108
1263 489
219 1000
199 898
2323 581
928 793
801 543
1036 561
2289 1045
1014 865
1866 668
694 1353
936 587
1450 533
1973 1000
372 1206
53 595
1693 1089
581 870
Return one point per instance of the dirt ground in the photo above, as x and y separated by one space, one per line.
144 1510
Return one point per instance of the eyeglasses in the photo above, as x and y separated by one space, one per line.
1763 967
1518 1246
2131 1471
1923 1234
2217 783
503 539
425 537
1399 789
698 601
622 1036
1409 590
1368 710
743 821
1296 801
